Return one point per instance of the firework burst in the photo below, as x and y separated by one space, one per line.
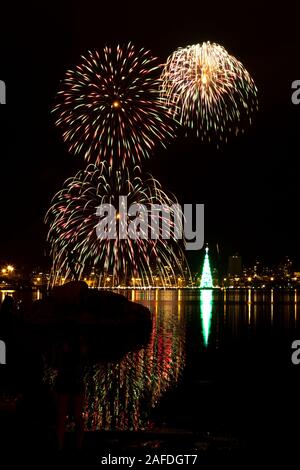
74 220
209 90
110 108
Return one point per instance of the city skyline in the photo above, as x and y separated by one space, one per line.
237 274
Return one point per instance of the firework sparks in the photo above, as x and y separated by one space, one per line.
209 90
77 248
110 107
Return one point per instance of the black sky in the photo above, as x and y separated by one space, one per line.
250 187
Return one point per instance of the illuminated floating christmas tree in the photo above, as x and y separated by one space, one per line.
206 278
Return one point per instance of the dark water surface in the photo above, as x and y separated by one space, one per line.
217 362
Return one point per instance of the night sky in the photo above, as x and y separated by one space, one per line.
250 187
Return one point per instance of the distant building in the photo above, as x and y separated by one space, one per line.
285 268
258 269
235 265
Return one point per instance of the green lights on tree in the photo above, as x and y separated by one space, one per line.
206 278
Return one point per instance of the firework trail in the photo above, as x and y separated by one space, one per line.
209 91
73 220
110 108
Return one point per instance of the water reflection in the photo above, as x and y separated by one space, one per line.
6 292
19 295
120 395
206 301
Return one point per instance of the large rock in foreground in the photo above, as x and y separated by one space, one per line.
109 321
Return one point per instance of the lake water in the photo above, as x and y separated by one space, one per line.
217 361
